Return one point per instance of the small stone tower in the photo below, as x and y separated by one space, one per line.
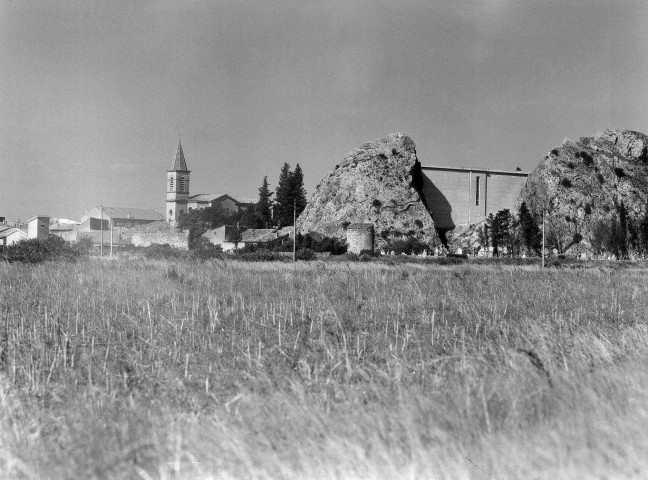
360 238
177 187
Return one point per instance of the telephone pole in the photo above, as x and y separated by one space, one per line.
294 231
101 210
543 238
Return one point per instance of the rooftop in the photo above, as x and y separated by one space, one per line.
132 213
519 173
179 159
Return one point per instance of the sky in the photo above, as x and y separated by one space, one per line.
94 94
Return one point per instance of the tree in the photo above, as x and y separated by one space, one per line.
284 198
529 230
290 195
502 234
260 214
298 191
643 233
622 235
264 205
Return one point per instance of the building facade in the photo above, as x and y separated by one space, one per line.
456 196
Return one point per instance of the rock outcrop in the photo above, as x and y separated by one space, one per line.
582 184
376 183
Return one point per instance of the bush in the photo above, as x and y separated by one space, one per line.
407 245
619 172
571 165
565 182
261 256
305 254
555 152
162 252
36 251
376 203
601 178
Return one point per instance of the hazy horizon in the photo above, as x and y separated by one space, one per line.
93 95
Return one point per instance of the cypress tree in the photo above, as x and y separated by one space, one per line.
264 205
531 234
297 189
284 198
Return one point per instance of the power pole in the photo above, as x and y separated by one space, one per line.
543 238
295 230
111 236
101 210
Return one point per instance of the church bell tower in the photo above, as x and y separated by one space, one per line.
177 187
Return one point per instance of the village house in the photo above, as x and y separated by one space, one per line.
231 238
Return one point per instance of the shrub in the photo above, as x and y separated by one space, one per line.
565 182
36 251
418 223
619 172
601 178
555 152
376 203
588 209
587 158
160 252
570 165
305 254
261 256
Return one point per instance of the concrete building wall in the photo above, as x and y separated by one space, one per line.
458 196
38 227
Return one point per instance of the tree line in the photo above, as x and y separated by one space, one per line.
619 235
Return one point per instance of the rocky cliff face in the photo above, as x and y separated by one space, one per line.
376 183
581 183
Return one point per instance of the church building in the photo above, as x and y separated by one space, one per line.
179 201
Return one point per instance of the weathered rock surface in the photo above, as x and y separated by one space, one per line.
581 183
375 183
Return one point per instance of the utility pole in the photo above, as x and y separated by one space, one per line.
294 230
101 210
543 238
111 236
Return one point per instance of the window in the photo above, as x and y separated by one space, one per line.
183 184
477 191
170 212
171 184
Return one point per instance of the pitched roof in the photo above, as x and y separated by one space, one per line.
208 197
132 213
11 230
253 235
211 197
179 159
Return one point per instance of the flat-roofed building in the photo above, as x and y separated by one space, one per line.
462 195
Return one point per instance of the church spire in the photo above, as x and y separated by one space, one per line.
179 160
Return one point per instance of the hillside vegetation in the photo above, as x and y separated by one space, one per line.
179 369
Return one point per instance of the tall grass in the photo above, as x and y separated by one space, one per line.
179 369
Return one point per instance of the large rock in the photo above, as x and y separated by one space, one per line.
377 183
581 184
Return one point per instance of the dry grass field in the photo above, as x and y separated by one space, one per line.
217 370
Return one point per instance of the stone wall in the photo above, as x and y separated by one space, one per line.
159 233
457 196
360 237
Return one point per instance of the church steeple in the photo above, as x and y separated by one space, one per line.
177 187
179 160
